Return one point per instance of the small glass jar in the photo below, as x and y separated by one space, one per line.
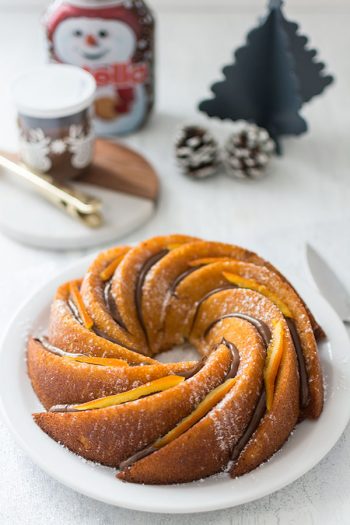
54 119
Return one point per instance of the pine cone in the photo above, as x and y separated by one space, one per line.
248 152
197 152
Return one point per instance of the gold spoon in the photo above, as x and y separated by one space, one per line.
79 205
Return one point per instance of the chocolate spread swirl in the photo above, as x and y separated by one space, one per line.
304 382
258 413
260 408
235 359
181 277
206 296
99 333
63 408
54 349
194 370
137 456
261 405
231 374
140 282
112 306
260 326
62 353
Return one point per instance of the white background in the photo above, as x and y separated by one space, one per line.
305 197
200 4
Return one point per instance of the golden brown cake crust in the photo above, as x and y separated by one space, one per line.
125 279
207 447
92 289
68 334
183 306
111 435
261 373
59 380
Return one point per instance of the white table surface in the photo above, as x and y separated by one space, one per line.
305 197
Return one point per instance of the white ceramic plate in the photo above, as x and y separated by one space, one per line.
29 219
310 442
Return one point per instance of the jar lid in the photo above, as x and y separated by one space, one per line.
53 91
94 3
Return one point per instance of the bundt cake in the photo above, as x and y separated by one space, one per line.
111 401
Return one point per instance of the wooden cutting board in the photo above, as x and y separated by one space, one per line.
119 168
123 179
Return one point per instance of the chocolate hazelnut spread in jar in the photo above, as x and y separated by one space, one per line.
54 120
114 41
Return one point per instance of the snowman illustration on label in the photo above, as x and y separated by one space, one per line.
105 45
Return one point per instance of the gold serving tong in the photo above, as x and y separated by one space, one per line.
79 205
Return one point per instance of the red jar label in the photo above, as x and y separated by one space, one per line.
116 45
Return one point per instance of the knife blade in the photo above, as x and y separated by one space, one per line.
329 284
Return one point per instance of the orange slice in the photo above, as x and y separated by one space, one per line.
78 301
102 361
242 282
210 260
173 245
158 385
202 409
108 272
273 360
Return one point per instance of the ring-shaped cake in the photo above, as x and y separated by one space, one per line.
109 399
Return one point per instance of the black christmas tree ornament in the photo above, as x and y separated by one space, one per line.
274 74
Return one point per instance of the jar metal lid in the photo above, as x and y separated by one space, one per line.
53 91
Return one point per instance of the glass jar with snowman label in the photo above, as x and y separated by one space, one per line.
114 41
